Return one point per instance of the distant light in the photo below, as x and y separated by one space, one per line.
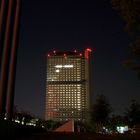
48 55
22 122
80 54
54 51
17 121
122 129
57 70
75 51
64 55
31 124
68 66
58 66
64 66
88 49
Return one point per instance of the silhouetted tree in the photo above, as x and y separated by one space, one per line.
40 122
117 120
101 112
130 12
27 117
22 116
133 113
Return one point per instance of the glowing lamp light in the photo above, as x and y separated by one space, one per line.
48 55
88 49
80 54
68 66
58 66
64 66
75 51
57 70
54 51
65 55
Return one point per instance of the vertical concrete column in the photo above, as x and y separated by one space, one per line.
9 28
5 60
3 17
13 61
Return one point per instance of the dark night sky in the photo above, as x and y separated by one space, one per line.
66 25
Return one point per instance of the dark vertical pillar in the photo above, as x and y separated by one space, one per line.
13 60
3 18
8 34
4 62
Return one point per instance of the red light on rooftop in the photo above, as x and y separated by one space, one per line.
88 49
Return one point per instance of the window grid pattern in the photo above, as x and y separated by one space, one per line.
66 93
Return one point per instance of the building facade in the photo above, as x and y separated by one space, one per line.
68 86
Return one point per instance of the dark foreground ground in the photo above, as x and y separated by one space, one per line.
10 130
77 136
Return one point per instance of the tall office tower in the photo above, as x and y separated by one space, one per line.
9 29
68 86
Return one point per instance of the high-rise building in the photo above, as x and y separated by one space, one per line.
9 33
68 91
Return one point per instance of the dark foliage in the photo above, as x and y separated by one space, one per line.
101 110
133 113
130 12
